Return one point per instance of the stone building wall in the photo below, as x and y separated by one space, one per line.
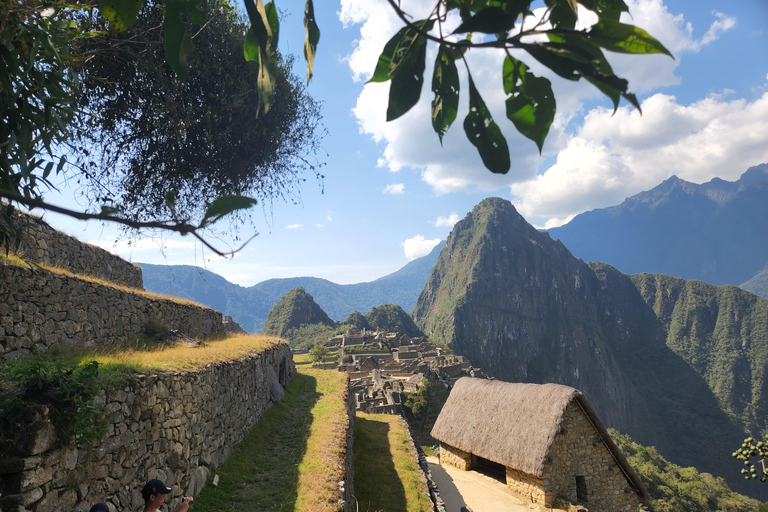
528 487
455 457
46 246
42 310
174 426
579 452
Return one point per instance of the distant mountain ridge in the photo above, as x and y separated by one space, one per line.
716 231
249 306
680 365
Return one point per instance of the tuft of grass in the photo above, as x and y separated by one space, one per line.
13 259
387 474
292 459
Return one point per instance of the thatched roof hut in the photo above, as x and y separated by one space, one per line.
515 424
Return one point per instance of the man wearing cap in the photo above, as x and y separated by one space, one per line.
154 493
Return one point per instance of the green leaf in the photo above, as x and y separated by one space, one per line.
618 37
313 37
485 134
445 85
258 18
251 46
224 206
408 76
120 14
531 106
491 20
398 49
108 210
606 9
274 24
563 13
176 40
267 41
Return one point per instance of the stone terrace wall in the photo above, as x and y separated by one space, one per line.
42 310
46 246
174 426
580 452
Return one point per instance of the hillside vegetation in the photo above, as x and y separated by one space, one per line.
673 488
295 309
722 333
520 306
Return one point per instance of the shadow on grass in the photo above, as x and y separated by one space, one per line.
377 484
262 473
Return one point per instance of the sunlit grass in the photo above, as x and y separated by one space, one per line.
19 262
292 459
146 355
387 474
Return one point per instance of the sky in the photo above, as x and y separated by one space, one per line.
391 192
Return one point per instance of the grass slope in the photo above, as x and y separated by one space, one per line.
387 473
293 458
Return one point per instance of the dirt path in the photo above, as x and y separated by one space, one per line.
478 492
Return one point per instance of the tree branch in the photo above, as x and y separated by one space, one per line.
179 227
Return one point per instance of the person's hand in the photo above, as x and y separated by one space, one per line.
183 504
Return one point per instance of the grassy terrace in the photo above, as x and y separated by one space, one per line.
146 356
292 459
387 474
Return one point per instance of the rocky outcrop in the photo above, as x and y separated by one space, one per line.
518 304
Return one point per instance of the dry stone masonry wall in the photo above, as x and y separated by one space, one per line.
42 310
174 426
46 246
579 453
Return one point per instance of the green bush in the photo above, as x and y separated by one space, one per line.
67 390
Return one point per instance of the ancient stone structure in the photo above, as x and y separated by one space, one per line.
44 310
44 245
174 426
545 440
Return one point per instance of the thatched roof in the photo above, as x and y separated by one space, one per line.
515 424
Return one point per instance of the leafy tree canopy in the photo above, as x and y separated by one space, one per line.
40 42
142 132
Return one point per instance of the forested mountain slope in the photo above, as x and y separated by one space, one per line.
519 305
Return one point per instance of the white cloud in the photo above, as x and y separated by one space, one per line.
328 216
293 226
447 222
615 156
395 189
318 225
456 165
417 247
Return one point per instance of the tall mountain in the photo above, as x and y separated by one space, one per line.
652 359
716 231
249 306
294 309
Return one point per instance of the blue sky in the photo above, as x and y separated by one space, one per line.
391 192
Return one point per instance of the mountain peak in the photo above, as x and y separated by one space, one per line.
294 309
